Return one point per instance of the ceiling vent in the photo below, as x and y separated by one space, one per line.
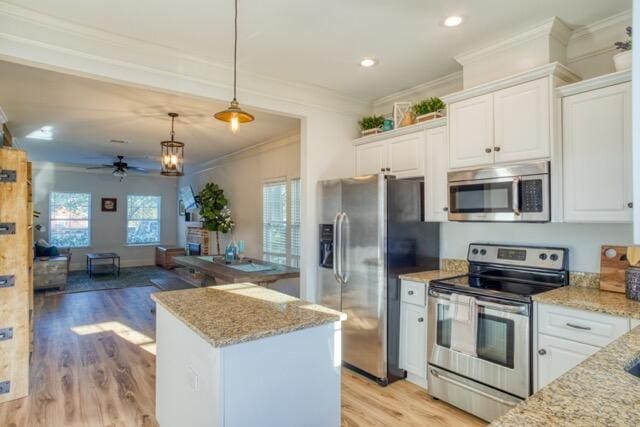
118 141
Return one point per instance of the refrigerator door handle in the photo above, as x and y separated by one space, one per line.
343 250
336 247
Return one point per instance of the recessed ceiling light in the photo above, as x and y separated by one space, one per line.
368 62
453 21
44 133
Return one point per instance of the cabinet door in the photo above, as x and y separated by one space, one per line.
437 165
556 356
522 122
371 158
406 155
413 339
471 132
597 155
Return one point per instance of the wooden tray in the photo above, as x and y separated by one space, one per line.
612 269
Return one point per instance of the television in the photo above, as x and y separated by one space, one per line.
188 197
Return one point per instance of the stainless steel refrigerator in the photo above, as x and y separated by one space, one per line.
371 231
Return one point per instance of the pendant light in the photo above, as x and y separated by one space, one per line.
234 114
172 156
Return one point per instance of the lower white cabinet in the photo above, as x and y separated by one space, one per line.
556 356
567 336
413 334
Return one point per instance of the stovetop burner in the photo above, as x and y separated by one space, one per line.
510 272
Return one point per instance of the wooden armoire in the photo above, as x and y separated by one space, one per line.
16 277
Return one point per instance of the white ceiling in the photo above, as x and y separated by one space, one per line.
321 42
86 114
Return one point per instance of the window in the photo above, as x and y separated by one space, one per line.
143 219
281 222
69 216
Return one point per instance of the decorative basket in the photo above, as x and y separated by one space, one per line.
430 116
373 131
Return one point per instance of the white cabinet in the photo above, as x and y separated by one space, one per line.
521 119
597 155
436 165
413 332
507 125
556 356
402 156
371 158
471 132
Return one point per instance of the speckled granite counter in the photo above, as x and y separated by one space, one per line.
231 314
597 392
427 276
596 300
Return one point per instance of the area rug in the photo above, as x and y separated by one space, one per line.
130 277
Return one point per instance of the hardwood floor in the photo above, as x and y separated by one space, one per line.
94 365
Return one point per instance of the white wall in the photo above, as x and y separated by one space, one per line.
583 240
241 176
108 229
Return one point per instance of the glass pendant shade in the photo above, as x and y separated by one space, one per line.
172 154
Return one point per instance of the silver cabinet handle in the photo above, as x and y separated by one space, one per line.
420 319
630 205
582 328
542 352
496 149
446 209
410 292
487 150
471 389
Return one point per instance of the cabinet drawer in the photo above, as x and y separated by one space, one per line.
581 326
414 293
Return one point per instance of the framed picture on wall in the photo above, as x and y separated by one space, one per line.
181 210
109 204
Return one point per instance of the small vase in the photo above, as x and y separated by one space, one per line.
622 60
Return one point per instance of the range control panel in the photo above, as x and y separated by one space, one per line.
521 256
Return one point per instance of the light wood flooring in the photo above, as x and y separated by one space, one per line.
94 365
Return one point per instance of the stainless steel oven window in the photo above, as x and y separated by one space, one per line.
495 339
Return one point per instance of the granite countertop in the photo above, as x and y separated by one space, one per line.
225 274
613 303
231 314
427 276
596 392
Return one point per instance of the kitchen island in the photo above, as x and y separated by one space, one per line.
248 270
243 355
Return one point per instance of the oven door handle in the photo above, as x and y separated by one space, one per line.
516 195
507 308
471 389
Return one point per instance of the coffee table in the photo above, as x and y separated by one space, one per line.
115 267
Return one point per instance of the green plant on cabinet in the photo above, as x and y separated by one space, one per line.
431 105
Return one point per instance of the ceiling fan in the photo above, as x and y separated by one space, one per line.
120 168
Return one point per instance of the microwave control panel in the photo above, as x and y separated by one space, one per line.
532 196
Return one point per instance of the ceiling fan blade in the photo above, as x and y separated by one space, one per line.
100 167
137 169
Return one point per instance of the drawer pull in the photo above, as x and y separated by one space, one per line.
420 319
410 292
582 328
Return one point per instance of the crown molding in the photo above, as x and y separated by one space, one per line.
553 27
597 38
553 69
449 78
594 83
603 24
23 41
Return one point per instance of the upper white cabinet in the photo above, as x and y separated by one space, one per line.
504 126
471 132
521 120
400 155
436 165
597 155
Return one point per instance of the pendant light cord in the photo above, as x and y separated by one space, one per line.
172 132
235 51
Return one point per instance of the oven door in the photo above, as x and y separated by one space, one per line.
506 199
503 343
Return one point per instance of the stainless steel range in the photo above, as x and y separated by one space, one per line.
479 330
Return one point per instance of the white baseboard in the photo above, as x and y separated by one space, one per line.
417 380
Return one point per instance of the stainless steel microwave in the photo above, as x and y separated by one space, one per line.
510 193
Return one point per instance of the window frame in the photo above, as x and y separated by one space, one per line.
291 260
88 219
159 220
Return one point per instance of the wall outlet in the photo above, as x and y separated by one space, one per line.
192 378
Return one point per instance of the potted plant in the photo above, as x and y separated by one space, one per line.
622 60
214 213
371 125
428 109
